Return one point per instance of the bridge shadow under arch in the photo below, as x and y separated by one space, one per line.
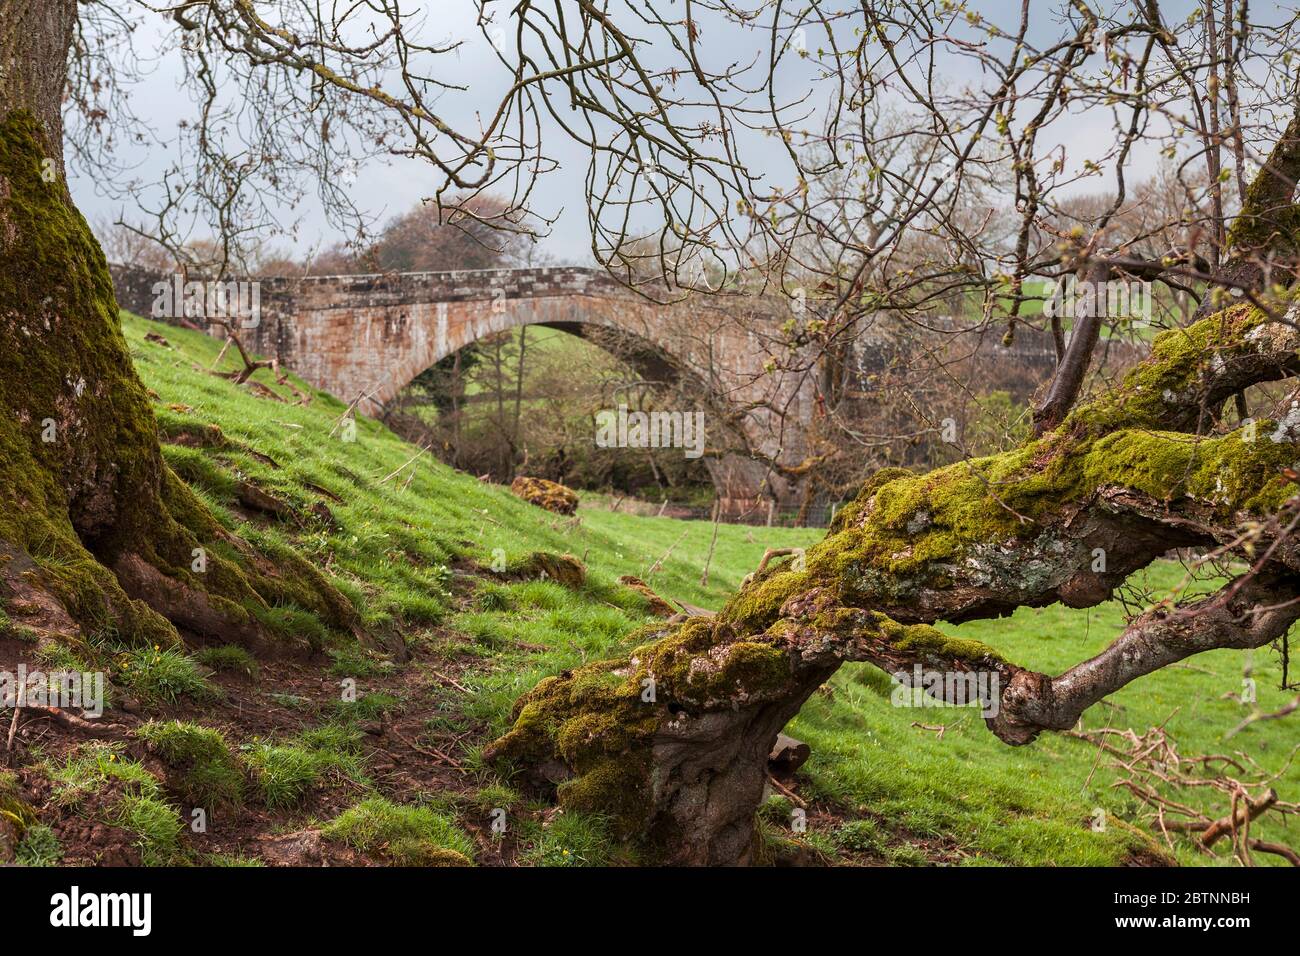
680 388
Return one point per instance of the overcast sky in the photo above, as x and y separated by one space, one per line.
391 186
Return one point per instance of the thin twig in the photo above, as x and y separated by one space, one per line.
654 568
717 514
13 724
452 681
399 470
1260 715
787 791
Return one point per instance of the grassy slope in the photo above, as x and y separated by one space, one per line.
965 798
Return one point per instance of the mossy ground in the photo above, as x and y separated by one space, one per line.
400 552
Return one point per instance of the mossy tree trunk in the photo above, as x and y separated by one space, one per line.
96 533
671 742
1265 238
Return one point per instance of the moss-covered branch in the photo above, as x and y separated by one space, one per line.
671 741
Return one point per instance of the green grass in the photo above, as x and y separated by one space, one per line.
368 707
285 773
228 657
38 847
391 543
12 629
136 799
1033 805
496 797
406 835
352 661
203 771
162 676
861 836
226 859
62 657
571 839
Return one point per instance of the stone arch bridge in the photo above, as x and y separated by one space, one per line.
370 335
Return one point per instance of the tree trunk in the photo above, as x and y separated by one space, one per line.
35 36
1264 240
98 531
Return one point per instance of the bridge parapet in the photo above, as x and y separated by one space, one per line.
411 288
